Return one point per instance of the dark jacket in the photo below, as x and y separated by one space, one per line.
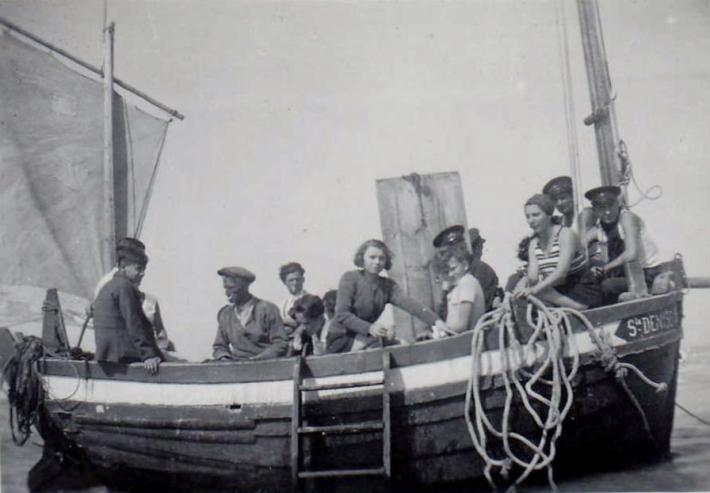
262 337
123 333
361 300
487 278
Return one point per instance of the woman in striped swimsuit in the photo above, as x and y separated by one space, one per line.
558 271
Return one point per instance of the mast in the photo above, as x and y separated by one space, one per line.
603 115
603 118
109 218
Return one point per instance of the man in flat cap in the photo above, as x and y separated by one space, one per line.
249 328
123 333
626 239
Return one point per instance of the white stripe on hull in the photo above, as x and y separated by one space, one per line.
409 378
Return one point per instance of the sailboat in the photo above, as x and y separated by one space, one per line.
407 415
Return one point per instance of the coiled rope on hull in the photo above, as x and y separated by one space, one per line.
536 373
24 387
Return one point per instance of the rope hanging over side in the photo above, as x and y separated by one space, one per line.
24 387
545 385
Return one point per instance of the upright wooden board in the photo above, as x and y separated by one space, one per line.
413 210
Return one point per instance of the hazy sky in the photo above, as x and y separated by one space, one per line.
294 109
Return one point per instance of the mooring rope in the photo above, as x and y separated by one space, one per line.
24 387
544 353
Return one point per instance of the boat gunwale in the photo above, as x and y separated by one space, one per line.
331 364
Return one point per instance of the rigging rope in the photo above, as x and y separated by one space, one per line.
654 192
536 374
568 98
24 387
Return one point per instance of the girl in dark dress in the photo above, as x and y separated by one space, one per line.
362 297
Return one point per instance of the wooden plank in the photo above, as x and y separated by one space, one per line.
386 418
344 385
342 473
295 425
413 210
347 428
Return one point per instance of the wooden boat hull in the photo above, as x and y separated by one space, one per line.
230 423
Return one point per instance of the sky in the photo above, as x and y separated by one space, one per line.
294 109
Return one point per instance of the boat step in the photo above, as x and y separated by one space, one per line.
345 428
343 385
335 473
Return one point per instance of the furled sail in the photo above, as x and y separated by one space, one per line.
51 171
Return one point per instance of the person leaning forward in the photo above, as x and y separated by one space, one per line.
248 328
123 333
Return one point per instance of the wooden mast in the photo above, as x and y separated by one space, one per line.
603 117
108 244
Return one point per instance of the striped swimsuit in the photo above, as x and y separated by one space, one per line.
547 263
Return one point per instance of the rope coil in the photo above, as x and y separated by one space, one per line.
536 375
24 388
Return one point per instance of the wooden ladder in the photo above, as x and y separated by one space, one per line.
298 431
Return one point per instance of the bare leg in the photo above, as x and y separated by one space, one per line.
554 297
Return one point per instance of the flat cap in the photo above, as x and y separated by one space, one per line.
450 236
557 185
238 272
601 194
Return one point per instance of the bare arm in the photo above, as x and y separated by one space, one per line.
629 222
459 315
533 272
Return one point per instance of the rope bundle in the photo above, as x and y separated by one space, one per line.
24 387
545 391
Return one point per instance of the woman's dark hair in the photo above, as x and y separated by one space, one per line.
523 249
543 201
309 305
359 259
290 268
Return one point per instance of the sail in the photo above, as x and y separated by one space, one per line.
51 169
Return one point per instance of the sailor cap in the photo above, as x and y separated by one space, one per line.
450 236
602 194
557 185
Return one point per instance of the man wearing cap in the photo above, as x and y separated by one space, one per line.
626 239
560 190
249 328
484 273
123 333
149 303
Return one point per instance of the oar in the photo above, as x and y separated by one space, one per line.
83 329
